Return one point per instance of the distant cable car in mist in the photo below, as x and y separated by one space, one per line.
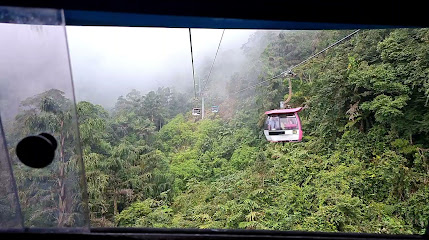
215 109
283 125
196 111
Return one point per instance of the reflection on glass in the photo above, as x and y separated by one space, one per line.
36 95
10 212
281 122
288 122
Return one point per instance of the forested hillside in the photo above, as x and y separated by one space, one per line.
362 165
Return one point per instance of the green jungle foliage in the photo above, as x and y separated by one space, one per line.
362 165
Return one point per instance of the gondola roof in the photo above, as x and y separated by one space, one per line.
282 111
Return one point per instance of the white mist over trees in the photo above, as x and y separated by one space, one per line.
109 62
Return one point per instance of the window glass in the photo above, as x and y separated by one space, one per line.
36 96
10 214
288 122
360 166
152 162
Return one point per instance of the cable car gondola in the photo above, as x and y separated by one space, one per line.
215 109
283 125
196 111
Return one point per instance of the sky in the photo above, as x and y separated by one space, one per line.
111 61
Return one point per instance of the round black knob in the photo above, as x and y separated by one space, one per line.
37 151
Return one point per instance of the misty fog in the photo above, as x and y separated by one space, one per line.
107 62
33 59
111 61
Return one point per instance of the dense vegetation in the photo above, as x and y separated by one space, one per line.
362 166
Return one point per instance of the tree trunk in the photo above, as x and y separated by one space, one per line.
115 204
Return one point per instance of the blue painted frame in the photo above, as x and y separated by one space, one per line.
100 18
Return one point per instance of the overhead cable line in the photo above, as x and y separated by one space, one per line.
211 68
299 64
192 59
